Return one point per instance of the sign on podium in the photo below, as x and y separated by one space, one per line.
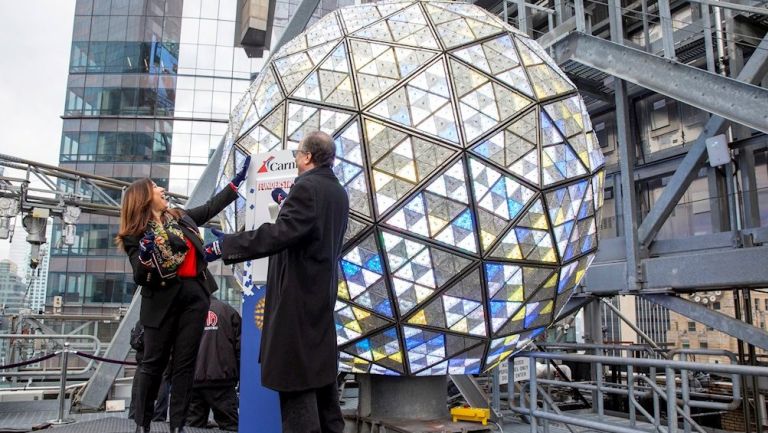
270 179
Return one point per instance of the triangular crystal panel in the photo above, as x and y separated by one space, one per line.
331 83
408 27
399 161
441 212
268 135
530 239
295 68
353 322
498 57
417 269
423 103
382 348
380 66
303 119
349 168
483 104
459 309
455 28
546 81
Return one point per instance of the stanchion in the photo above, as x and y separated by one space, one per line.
63 388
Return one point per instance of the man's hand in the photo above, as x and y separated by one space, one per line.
146 247
212 251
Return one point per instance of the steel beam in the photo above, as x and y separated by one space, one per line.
473 393
753 72
667 38
627 160
736 100
574 304
713 319
750 200
100 383
684 272
523 17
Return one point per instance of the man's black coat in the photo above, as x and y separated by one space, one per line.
298 341
158 293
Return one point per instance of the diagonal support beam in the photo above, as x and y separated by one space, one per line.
573 305
728 325
296 25
100 383
735 100
753 72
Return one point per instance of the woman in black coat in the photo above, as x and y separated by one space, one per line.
169 263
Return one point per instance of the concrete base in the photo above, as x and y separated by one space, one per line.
405 398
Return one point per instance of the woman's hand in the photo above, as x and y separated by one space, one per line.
240 176
147 246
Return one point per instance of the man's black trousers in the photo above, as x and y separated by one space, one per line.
312 411
180 332
221 399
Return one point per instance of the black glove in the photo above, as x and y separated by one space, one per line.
278 195
212 251
240 176
146 246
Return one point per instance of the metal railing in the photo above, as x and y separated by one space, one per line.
667 382
94 348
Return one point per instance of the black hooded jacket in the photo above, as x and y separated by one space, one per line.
218 360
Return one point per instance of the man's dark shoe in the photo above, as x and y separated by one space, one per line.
140 429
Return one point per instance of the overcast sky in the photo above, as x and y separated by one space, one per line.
35 39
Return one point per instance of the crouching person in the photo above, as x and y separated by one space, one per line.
218 369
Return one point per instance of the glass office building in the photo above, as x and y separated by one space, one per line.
151 84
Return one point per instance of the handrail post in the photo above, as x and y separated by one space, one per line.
581 25
631 395
685 391
669 378
533 403
599 383
63 388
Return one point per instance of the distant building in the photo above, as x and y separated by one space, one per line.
12 288
685 333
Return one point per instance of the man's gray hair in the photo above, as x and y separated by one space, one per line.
321 146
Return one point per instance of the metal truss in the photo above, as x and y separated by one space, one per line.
737 328
60 187
736 100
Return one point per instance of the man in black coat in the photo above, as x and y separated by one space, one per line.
299 356
218 369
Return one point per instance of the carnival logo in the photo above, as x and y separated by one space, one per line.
263 168
270 164
212 320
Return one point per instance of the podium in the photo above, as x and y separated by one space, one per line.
259 406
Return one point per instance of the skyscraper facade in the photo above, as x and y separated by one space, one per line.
150 90
151 84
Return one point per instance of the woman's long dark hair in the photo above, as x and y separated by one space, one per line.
136 210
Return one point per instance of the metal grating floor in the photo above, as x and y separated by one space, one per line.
26 416
118 425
